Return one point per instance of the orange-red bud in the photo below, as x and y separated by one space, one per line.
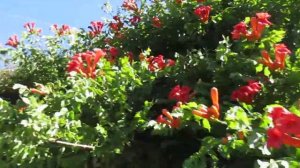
214 97
214 112
241 135
200 113
36 91
224 140
167 114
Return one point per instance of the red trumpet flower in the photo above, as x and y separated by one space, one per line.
258 25
246 93
156 22
13 41
158 63
95 28
168 119
214 110
30 27
180 93
130 5
37 91
203 13
281 52
285 130
63 30
239 30
85 63
113 53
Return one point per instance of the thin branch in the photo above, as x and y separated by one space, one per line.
89 147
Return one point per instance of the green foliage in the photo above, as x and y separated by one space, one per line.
61 117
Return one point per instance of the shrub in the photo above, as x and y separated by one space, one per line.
188 83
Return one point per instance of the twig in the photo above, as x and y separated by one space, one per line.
72 144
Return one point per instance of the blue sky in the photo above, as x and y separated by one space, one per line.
76 13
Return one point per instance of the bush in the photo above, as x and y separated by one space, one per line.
185 83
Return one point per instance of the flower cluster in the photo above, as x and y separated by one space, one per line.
281 52
95 28
130 5
63 30
168 119
85 63
156 22
285 130
117 25
212 111
113 52
30 27
159 63
180 93
246 93
203 13
135 20
258 24
119 99
13 41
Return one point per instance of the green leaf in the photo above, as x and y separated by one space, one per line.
259 68
267 71
247 20
237 118
224 151
195 161
274 36
262 164
41 108
223 50
206 124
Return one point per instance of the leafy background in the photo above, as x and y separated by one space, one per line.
112 117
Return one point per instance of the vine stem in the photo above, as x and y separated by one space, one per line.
89 147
